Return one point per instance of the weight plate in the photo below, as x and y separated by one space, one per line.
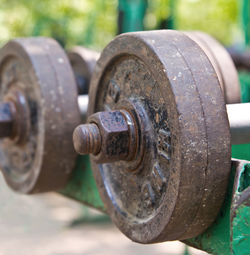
38 70
174 186
222 63
83 63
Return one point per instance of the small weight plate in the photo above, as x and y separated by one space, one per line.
38 70
222 63
175 185
83 63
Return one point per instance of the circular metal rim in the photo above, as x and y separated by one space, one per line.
83 59
55 158
222 63
123 45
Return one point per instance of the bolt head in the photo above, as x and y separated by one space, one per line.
114 134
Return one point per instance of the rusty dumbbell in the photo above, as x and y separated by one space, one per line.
158 132
88 139
38 111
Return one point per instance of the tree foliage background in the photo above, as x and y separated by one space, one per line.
93 23
71 22
220 18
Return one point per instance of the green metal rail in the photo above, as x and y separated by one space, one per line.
131 15
230 232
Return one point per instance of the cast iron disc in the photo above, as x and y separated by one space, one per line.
180 179
40 70
222 63
83 63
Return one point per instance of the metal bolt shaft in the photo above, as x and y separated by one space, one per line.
87 139
109 137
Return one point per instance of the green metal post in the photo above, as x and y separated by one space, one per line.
172 17
245 9
243 151
131 15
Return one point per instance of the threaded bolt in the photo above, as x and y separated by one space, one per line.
109 136
87 139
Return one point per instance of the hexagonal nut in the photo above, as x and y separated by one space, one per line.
115 138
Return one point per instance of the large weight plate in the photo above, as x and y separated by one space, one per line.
180 176
222 63
39 69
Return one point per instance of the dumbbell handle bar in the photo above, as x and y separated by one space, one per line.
83 102
237 114
239 120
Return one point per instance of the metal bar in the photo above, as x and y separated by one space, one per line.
239 119
83 106
131 15
172 17
245 9
238 115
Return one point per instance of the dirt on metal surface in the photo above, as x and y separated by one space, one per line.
222 63
39 69
183 162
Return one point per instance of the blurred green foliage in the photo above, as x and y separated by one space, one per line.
71 22
157 14
219 18
93 23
